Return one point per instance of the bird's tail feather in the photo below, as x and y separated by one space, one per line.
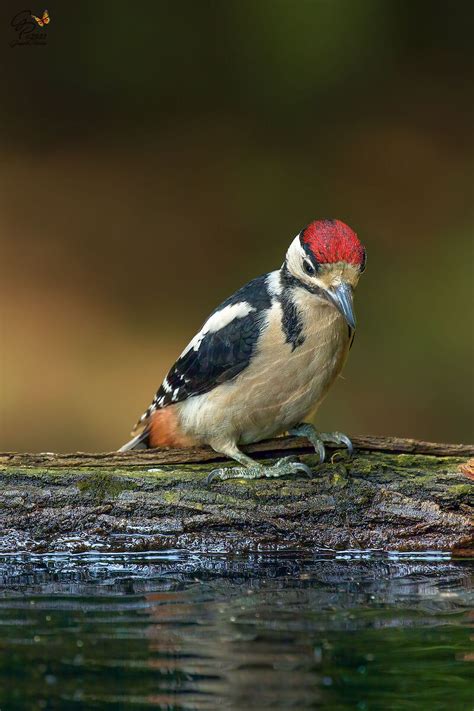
140 441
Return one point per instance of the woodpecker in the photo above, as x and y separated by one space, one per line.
265 358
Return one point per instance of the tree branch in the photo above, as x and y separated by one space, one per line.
268 448
394 494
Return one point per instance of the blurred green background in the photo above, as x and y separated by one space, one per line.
157 155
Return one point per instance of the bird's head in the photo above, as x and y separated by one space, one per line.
327 259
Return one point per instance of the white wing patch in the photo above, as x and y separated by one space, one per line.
219 320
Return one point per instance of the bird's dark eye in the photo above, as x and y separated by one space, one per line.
308 267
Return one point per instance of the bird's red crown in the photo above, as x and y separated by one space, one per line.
333 241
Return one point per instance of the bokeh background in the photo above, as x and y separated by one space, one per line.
156 155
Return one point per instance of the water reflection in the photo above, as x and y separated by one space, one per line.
178 631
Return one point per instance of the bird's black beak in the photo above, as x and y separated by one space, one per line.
341 297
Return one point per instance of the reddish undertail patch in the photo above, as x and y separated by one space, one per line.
333 241
165 430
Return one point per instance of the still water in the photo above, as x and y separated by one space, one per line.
181 631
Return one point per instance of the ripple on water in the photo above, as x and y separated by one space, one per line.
182 631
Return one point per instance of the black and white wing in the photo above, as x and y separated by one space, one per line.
221 350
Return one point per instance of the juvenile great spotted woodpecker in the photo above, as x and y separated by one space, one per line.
265 358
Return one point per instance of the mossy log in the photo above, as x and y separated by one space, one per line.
393 494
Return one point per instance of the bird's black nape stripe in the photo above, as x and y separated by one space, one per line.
291 320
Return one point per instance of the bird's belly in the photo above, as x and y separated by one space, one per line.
292 384
279 388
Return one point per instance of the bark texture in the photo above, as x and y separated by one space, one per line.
394 494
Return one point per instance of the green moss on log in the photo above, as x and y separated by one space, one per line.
103 485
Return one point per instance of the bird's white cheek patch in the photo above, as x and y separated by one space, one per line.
295 255
218 321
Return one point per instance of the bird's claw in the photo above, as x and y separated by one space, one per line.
215 474
318 439
319 449
338 438
343 439
291 465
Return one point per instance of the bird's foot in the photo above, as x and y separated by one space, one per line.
318 439
283 467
